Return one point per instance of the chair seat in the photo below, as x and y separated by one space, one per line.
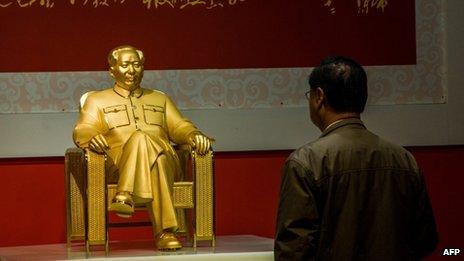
182 194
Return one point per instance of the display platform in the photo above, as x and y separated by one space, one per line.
228 248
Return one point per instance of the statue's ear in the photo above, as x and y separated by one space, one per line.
111 71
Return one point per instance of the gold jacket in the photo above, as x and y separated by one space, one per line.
117 114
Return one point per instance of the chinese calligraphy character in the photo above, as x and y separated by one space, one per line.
192 3
233 2
21 4
47 3
212 4
98 3
364 7
2 4
159 3
328 4
180 4
27 3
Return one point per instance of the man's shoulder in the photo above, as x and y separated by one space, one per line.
398 153
303 153
335 147
386 144
312 148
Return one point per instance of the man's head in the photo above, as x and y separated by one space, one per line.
338 88
126 66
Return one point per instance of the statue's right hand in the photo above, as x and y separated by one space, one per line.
98 144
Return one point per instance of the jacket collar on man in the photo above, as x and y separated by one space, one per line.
125 93
341 123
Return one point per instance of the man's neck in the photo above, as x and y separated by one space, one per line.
336 117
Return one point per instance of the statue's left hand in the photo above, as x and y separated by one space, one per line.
201 143
99 144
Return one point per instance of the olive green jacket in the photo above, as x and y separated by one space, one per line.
351 195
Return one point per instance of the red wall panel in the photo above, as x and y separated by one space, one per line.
443 171
32 204
246 34
247 192
247 187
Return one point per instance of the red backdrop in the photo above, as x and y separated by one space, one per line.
247 188
247 34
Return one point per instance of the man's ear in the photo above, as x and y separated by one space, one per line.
320 97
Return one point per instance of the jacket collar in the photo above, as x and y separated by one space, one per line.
341 123
125 93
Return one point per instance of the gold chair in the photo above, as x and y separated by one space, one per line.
90 188
89 194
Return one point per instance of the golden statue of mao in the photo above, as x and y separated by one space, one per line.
134 127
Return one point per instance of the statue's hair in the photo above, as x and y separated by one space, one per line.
113 55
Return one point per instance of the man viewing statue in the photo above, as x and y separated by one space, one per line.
349 194
134 127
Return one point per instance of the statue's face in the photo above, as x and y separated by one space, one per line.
128 70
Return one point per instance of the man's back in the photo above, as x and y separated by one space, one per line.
356 196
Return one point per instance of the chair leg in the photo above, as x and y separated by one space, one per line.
68 244
189 226
107 248
87 249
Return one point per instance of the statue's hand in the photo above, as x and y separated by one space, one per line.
98 144
201 143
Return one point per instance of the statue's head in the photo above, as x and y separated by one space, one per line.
126 66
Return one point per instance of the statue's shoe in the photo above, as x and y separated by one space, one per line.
167 241
123 204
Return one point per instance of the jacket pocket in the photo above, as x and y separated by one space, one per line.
154 115
116 116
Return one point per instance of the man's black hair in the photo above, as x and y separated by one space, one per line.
343 81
